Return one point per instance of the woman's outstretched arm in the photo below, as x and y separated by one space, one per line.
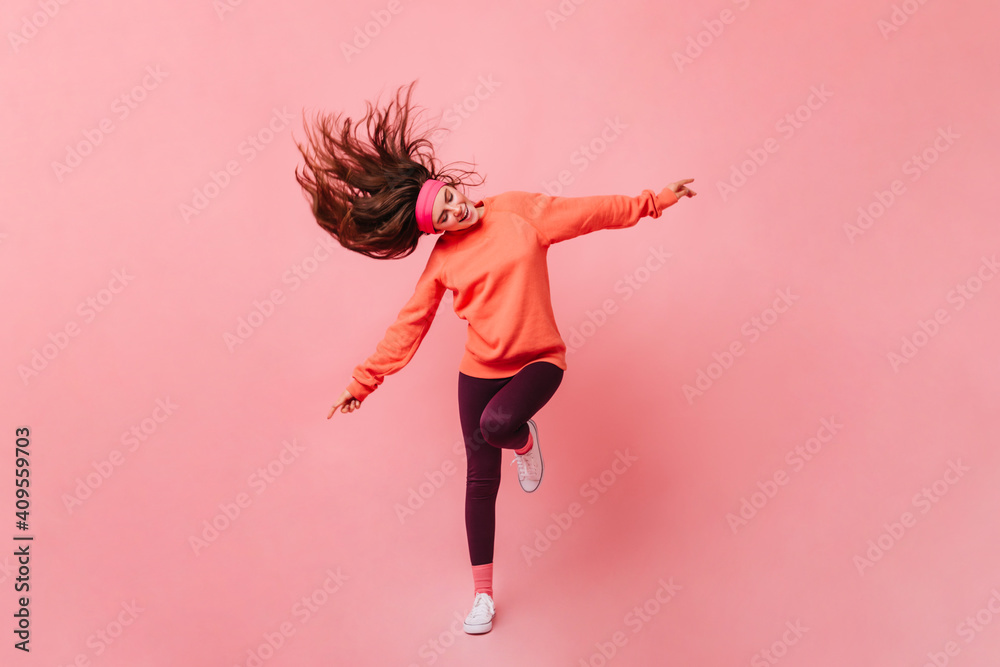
401 340
562 218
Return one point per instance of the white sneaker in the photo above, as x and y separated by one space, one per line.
529 466
480 619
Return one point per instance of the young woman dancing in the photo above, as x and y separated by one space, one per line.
377 197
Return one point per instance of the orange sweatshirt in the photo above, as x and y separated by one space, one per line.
497 273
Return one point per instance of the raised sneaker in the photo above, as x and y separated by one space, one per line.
529 465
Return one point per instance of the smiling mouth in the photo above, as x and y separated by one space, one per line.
466 216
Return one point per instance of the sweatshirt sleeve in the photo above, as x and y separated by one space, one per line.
403 337
562 218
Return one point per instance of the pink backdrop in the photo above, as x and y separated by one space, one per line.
777 444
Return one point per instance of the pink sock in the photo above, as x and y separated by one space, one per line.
482 575
527 447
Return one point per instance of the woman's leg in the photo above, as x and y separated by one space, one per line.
505 420
494 415
482 479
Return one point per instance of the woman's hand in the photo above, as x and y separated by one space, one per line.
681 190
346 402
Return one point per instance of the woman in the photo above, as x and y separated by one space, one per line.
377 197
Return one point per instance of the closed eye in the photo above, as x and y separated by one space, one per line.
447 198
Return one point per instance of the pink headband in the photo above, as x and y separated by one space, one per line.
425 205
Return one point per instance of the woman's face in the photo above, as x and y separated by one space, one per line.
453 211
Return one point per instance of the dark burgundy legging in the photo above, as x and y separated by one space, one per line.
494 415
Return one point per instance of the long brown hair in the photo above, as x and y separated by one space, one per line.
364 194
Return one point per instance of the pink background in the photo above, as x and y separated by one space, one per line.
332 505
